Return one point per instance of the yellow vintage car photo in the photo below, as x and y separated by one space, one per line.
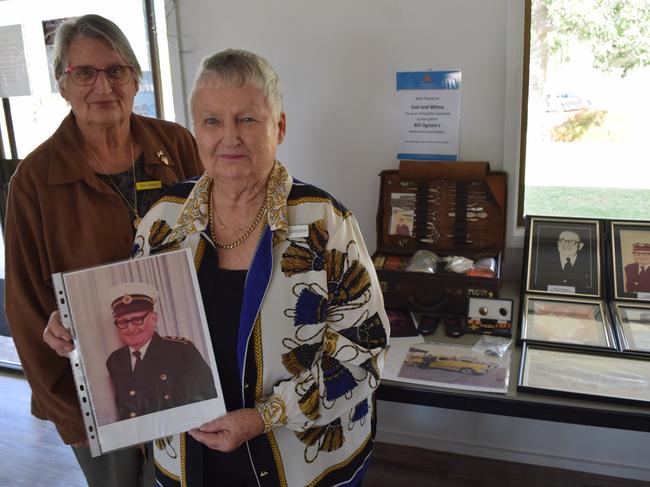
466 366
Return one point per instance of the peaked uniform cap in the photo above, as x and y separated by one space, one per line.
130 297
641 247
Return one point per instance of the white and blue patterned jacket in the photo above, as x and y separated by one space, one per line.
313 332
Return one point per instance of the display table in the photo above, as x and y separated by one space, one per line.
518 404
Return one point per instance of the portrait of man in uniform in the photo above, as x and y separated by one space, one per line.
143 363
631 260
564 259
150 372
637 274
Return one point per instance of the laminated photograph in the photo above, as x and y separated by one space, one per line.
402 214
453 366
143 362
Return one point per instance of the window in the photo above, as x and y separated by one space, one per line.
26 121
29 119
36 116
585 142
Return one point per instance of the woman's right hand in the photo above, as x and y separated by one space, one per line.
57 336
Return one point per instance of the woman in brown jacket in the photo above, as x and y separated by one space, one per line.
76 201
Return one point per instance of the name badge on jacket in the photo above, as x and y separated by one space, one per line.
298 231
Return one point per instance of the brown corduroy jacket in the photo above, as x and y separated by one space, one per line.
62 216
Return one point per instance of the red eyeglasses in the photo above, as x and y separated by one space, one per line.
116 74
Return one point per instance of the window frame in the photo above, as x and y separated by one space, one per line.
524 113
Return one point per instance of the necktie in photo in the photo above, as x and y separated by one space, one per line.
568 266
138 359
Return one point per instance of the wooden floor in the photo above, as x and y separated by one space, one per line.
415 467
31 452
32 455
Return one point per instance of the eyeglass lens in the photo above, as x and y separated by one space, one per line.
86 75
568 242
137 321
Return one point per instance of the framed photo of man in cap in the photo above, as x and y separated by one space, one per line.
564 256
631 260
143 361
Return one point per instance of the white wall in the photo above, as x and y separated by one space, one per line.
337 60
603 451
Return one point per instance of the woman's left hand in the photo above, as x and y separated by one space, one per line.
228 432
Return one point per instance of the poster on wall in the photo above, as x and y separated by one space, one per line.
14 78
428 115
49 28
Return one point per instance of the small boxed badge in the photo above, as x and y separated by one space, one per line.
489 316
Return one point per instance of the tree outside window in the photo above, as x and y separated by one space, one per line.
587 139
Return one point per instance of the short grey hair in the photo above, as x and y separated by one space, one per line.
241 68
94 27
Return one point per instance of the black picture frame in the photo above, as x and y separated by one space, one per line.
578 322
584 374
632 321
550 240
630 250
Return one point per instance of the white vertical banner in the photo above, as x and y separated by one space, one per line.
14 79
428 115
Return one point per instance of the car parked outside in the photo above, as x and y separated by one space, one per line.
565 102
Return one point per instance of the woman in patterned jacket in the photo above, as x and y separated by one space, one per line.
291 297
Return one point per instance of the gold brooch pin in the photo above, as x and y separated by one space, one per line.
163 157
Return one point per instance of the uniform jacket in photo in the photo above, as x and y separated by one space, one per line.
172 373
635 281
549 272
312 337
62 216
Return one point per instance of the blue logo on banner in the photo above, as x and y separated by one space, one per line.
428 80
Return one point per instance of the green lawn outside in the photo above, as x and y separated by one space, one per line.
610 203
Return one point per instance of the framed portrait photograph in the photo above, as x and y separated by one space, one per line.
592 375
631 260
564 256
633 325
143 361
582 322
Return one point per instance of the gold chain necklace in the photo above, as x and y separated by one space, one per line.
223 226
134 208
244 236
